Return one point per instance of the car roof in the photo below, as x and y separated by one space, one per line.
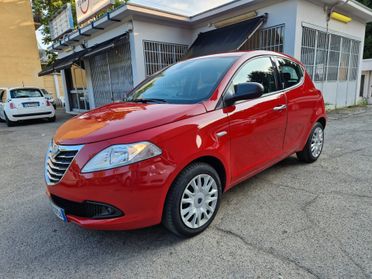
248 54
24 87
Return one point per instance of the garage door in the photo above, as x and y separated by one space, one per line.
111 73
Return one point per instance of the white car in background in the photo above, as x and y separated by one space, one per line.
49 97
24 103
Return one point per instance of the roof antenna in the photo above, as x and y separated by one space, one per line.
23 85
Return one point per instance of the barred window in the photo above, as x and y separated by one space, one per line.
271 38
333 57
329 57
354 60
160 55
344 62
321 56
308 49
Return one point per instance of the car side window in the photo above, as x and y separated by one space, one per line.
290 72
260 70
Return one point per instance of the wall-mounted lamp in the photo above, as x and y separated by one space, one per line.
340 17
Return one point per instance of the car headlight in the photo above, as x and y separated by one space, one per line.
121 155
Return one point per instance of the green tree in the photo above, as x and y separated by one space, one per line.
44 10
368 38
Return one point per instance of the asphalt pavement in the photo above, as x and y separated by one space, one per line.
292 221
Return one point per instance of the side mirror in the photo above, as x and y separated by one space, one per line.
244 91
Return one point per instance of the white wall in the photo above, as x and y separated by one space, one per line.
281 12
152 31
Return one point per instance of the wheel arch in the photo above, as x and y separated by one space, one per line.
217 165
211 160
322 120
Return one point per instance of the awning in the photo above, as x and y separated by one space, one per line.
63 63
225 39
105 45
66 62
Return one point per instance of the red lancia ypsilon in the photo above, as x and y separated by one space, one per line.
182 138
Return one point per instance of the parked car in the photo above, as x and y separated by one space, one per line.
49 97
24 103
181 139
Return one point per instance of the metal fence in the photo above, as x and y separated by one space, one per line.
329 57
159 55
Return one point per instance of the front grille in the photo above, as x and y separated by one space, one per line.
58 160
87 209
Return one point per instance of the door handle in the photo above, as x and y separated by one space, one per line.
221 134
279 108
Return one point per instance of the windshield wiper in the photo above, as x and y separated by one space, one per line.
145 101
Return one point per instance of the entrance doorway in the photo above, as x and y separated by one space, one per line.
77 88
362 80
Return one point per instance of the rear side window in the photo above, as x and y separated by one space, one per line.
25 93
259 70
290 72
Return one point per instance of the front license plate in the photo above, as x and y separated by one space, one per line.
60 212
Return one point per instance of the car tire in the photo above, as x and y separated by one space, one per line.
314 145
9 123
204 196
52 119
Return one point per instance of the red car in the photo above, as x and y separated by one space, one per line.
182 138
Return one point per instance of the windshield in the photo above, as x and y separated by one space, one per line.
25 93
186 82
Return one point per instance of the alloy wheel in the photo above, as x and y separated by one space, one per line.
317 142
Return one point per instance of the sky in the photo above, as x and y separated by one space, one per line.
188 7
185 7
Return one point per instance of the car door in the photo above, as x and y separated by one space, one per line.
256 127
300 103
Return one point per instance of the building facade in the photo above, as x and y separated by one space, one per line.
19 55
366 81
119 50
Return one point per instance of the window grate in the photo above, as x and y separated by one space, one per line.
271 38
111 73
159 55
329 57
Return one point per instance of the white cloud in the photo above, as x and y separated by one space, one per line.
190 7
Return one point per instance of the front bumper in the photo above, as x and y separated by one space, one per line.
138 191
87 209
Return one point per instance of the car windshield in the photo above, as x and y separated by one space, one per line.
186 82
25 93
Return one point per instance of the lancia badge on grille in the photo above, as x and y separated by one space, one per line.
55 150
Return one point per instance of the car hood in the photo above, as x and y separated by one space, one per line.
121 119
